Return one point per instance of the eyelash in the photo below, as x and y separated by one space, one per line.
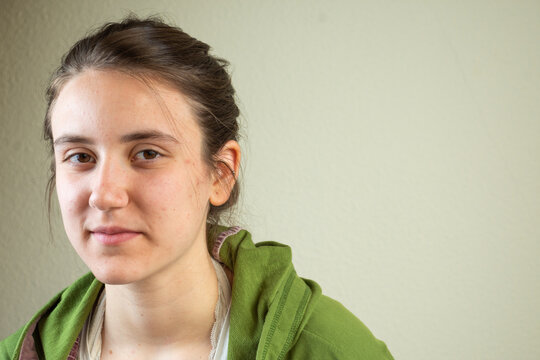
71 158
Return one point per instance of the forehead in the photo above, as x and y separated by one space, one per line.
114 102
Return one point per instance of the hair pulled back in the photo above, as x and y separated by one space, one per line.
151 48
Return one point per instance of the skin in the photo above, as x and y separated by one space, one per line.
134 192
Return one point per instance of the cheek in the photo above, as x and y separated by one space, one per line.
184 193
72 196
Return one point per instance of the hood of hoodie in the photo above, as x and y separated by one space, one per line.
270 304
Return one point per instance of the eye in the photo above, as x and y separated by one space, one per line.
81 158
147 155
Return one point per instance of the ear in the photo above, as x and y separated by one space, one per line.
224 179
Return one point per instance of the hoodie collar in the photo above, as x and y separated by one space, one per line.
271 304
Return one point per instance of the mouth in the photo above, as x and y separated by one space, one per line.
113 235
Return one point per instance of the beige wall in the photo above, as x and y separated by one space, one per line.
395 145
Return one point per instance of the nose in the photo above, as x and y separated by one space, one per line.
109 188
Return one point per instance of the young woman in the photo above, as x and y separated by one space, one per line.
142 123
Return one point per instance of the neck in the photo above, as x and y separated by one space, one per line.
173 309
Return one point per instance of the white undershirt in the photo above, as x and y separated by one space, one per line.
90 343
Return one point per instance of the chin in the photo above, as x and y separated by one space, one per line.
114 276
112 280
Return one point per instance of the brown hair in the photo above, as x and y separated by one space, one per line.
151 48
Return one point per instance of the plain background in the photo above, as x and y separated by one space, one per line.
395 145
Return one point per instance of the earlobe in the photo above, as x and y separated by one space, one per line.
227 167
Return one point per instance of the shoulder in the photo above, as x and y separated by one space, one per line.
9 344
333 332
58 322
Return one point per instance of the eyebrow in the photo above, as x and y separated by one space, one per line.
135 136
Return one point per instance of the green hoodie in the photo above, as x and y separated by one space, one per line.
275 314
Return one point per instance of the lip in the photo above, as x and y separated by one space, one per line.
113 235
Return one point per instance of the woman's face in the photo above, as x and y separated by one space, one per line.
130 177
